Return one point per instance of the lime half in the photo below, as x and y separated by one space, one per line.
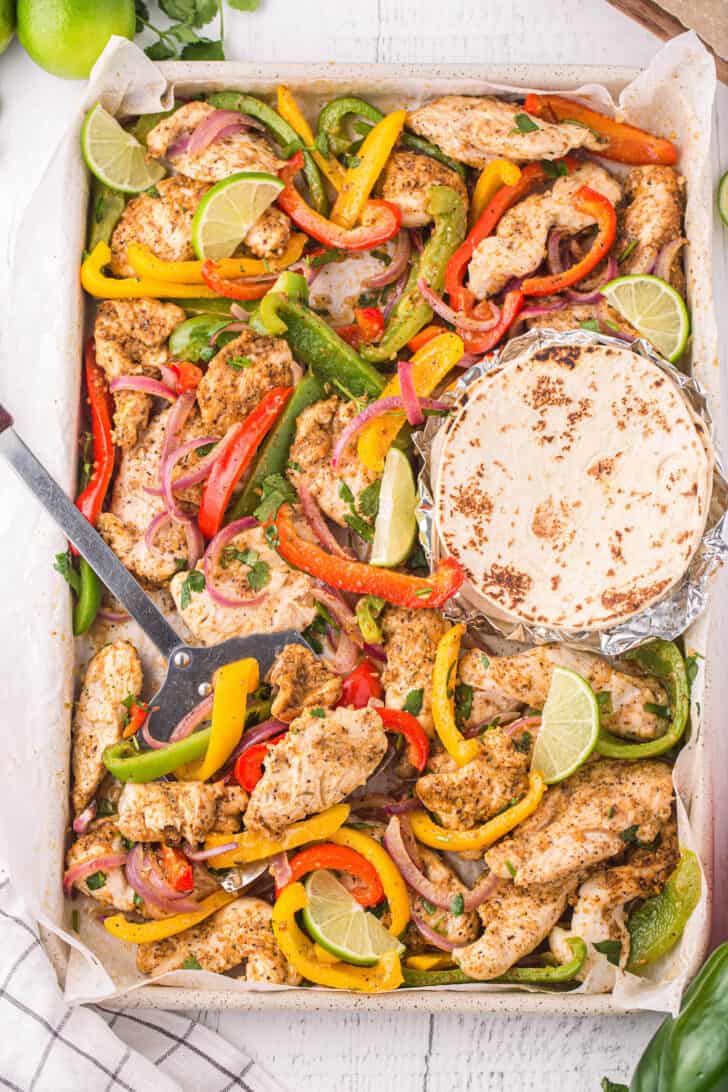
569 726
723 198
396 526
228 211
341 926
654 308
114 156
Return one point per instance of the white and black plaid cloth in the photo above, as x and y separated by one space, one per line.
46 1046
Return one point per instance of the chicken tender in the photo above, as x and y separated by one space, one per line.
323 758
519 243
476 130
112 675
302 681
652 216
179 811
406 182
410 641
586 819
101 839
163 223
269 235
457 928
238 377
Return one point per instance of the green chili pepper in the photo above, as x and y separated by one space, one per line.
285 135
125 763
562 972
411 312
191 340
664 660
658 924
105 209
89 599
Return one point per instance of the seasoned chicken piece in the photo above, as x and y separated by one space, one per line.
410 641
525 679
457 928
302 681
238 151
519 243
515 921
323 758
318 428
130 338
406 182
575 315
239 933
463 796
112 675
286 601
179 811
269 235
476 130
652 216
586 819
101 839
163 223
238 377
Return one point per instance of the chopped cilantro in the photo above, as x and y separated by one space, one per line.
360 527
554 169
328 256
522 743
627 251
317 712
346 494
137 900
369 499
457 906
63 564
180 564
75 921
191 964
511 868
381 908
295 467
277 490
96 880
104 808
428 907
351 160
271 536
463 702
604 701
525 124
382 256
485 661
629 837
413 702
239 362
258 571
193 582
591 324
205 449
657 710
612 949
87 464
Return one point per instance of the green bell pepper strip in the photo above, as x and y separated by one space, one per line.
125 763
664 660
191 338
411 313
89 599
537 976
659 922
285 135
144 124
219 307
105 209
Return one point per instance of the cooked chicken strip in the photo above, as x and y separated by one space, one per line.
101 839
515 921
269 235
407 179
163 223
238 377
652 216
525 679
458 928
239 933
179 811
130 338
317 429
302 682
239 151
574 315
323 758
475 130
410 640
586 819
112 675
286 601
463 796
519 243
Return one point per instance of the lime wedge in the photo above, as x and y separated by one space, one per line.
654 308
115 156
228 211
396 526
723 198
337 923
569 726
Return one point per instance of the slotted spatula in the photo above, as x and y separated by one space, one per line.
189 669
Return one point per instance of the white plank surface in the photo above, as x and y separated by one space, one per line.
363 1053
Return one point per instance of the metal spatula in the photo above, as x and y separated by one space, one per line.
189 669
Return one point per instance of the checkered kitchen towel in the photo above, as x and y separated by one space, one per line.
45 1046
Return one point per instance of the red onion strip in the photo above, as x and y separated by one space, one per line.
521 725
103 863
177 514
212 557
396 267
107 615
666 258
193 719
345 655
211 128
144 385
81 822
412 409
280 869
317 523
232 327
176 419
553 253
376 409
395 846
542 309
435 939
154 527
457 318
205 854
143 875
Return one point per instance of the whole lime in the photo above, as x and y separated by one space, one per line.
7 23
66 36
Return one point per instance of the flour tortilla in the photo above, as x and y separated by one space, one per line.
573 485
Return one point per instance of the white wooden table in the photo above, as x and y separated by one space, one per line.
361 1053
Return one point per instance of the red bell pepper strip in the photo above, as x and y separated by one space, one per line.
342 859
483 343
418 745
138 713
236 459
401 589
367 329
248 768
428 334
188 375
91 500
626 143
597 205
362 684
233 289
381 219
177 869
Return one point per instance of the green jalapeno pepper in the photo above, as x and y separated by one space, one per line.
89 598
657 925
539 976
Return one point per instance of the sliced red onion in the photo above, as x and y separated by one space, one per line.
238 312
213 127
169 376
340 609
107 615
402 807
412 409
431 935
416 237
205 854
179 146
594 295
397 266
666 258
212 557
152 743
317 522
482 891
154 527
376 409
144 876
521 725
103 863
258 734
232 327
205 465
395 846
542 309
193 719
81 822
553 252
280 870
395 296
195 543
144 385
457 318
345 655
377 652
177 514
176 420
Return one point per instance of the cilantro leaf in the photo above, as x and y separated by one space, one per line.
457 906
612 949
413 702
368 502
591 324
96 880
463 702
193 582
522 743
525 124
63 564
346 495
205 49
239 362
191 964
197 13
259 575
277 490
244 5
554 169
159 51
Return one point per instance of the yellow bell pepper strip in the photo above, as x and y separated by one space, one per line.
372 156
443 694
233 683
96 283
290 111
430 961
460 841
135 932
430 365
497 173
147 264
301 954
253 847
395 889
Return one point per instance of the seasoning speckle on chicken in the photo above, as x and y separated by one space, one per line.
406 182
457 928
239 375
654 199
410 641
269 235
301 681
180 811
163 223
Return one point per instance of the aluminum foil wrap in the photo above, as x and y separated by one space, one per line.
685 601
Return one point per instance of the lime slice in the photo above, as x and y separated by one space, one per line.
396 526
654 308
114 156
341 926
228 211
569 726
723 198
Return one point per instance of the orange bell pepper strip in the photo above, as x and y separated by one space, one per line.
597 205
402 589
367 893
372 158
233 289
290 111
429 332
138 711
624 143
146 264
484 342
